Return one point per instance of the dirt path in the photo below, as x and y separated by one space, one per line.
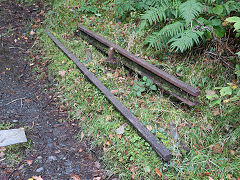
54 152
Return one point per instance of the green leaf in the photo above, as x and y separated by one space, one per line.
226 91
237 69
136 87
141 83
238 92
144 78
216 22
153 87
220 32
142 89
218 9
237 26
238 53
233 19
217 101
149 82
139 94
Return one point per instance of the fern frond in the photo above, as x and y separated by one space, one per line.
173 29
154 15
154 42
159 39
185 40
190 9
160 3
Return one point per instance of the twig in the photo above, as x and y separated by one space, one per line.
16 100
221 59
16 47
200 26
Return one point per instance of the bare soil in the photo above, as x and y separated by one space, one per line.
54 151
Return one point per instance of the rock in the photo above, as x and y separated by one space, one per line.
14 121
52 158
39 169
12 136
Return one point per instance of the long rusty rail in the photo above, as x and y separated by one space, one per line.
160 149
169 83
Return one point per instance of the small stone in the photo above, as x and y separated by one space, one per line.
39 169
15 121
52 158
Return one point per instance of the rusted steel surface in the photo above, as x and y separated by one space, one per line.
171 84
160 149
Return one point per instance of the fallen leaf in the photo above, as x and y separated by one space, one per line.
27 100
2 154
210 94
82 135
114 91
108 117
29 162
37 178
149 127
32 32
75 177
34 26
232 85
206 174
37 20
158 172
217 148
119 136
104 149
62 73
147 169
210 178
120 130
108 143
232 152
25 37
97 178
229 176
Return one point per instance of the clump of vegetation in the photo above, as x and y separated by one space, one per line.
179 25
142 86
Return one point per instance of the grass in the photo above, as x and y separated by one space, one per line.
212 133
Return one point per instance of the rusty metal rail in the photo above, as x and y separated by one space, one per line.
167 82
160 149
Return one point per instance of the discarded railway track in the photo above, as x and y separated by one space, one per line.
163 80
160 149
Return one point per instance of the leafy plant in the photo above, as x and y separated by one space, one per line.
227 94
236 21
142 86
184 24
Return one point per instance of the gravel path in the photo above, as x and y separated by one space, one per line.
55 152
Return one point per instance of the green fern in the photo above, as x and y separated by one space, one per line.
160 39
154 15
190 9
185 40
